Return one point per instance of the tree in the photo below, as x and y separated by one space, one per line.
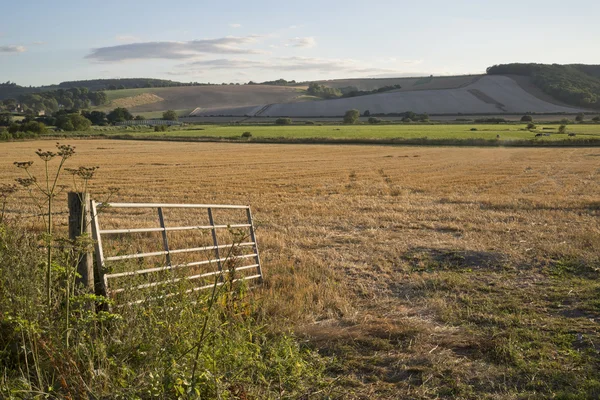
119 114
170 115
5 119
374 120
526 118
367 113
283 121
596 119
96 117
562 129
33 126
531 125
139 118
72 122
410 115
580 116
351 116
80 123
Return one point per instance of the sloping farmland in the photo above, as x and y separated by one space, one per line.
487 95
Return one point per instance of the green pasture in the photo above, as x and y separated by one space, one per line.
505 132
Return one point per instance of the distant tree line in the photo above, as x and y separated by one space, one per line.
315 89
54 100
278 82
67 120
12 90
352 91
575 84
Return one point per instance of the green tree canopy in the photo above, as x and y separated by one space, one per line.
351 116
119 114
170 115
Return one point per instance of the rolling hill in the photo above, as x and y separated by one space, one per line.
484 94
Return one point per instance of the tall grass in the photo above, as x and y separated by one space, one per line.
58 340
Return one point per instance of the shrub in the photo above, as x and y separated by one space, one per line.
531 125
562 129
246 135
406 119
473 129
283 121
73 122
596 119
580 117
351 116
170 115
367 113
410 115
160 128
374 120
565 121
34 127
309 122
526 118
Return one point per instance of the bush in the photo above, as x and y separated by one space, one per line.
580 117
283 121
490 120
526 118
473 129
309 122
531 125
562 129
351 116
170 115
246 135
160 128
374 120
596 119
73 122
34 127
410 115
367 113
406 119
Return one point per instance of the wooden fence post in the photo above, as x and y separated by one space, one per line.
79 224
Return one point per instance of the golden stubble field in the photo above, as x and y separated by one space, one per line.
407 266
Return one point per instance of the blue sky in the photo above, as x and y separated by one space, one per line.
46 42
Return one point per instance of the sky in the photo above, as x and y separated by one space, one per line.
45 42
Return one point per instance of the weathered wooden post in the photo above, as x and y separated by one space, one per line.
79 224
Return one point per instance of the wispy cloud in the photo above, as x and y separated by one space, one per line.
305 42
174 50
12 49
126 38
285 64
235 25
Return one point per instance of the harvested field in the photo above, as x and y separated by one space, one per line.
416 272
191 97
134 101
408 84
488 95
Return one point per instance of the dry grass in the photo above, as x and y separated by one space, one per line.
422 272
134 101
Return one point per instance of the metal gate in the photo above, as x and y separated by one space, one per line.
216 262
